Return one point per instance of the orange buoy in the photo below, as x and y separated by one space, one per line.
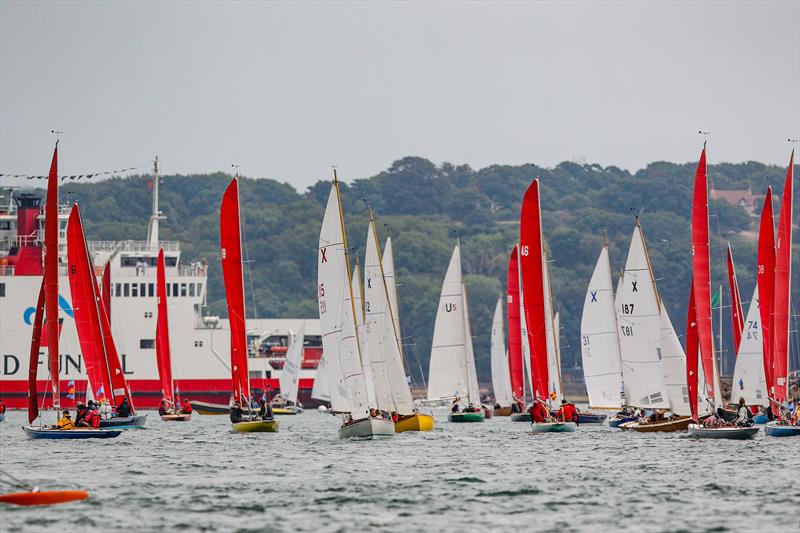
45 497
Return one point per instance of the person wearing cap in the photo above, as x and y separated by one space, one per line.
538 412
237 415
80 413
65 422
124 408
568 412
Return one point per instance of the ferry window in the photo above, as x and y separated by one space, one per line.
134 289
118 290
2 290
175 290
5 224
170 261
126 287
142 289
150 289
199 289
183 289
147 344
148 314
191 289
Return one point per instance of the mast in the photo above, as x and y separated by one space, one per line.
51 277
152 230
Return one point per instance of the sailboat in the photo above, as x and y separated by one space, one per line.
779 386
699 334
290 376
231 254
538 310
501 379
600 352
451 375
383 340
47 307
163 353
341 342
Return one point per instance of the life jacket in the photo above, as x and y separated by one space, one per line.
187 408
538 413
93 418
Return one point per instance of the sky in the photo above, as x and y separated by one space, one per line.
286 90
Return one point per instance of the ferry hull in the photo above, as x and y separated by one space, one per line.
415 422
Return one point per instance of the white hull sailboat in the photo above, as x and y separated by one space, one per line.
367 428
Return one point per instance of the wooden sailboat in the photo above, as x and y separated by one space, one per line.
451 373
501 380
538 310
94 330
779 386
231 254
290 376
163 352
340 331
383 339
47 307
699 338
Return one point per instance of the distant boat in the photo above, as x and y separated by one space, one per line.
163 353
452 375
47 306
290 376
339 314
231 254
501 380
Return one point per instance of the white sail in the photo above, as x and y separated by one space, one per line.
388 372
448 375
501 377
336 311
673 362
553 366
366 359
557 336
473 392
639 319
602 364
290 375
391 286
748 374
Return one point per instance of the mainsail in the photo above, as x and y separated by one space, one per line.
290 375
600 353
513 308
163 357
737 317
766 283
673 362
449 374
231 253
783 284
748 374
531 247
501 382
51 276
33 394
639 319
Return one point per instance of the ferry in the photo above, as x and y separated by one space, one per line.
200 342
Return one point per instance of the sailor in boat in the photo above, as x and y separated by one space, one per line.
186 408
744 417
65 422
265 412
455 408
124 409
104 409
236 413
472 409
165 407
568 412
91 418
517 406
539 412
80 413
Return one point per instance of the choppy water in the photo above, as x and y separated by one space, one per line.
494 476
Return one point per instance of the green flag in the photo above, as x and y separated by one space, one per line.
717 298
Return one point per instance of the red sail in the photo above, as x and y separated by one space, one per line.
737 318
783 282
162 331
231 252
531 263
107 289
701 272
33 395
692 365
51 275
84 307
515 365
119 386
766 283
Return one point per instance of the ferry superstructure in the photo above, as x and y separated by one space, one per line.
200 343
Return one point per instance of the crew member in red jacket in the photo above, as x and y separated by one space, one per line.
568 412
538 412
92 418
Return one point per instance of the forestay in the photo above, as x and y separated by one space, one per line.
553 357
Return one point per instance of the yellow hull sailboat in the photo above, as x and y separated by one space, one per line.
256 426
415 422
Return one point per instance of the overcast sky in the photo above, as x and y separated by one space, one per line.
288 89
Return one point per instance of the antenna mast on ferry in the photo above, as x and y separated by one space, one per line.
152 230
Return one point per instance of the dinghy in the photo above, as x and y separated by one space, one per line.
553 427
231 255
163 352
348 364
206 408
43 432
290 376
452 362
696 431
43 497
592 418
99 351
666 426
781 429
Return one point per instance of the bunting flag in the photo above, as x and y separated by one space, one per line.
71 389
74 176
717 298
